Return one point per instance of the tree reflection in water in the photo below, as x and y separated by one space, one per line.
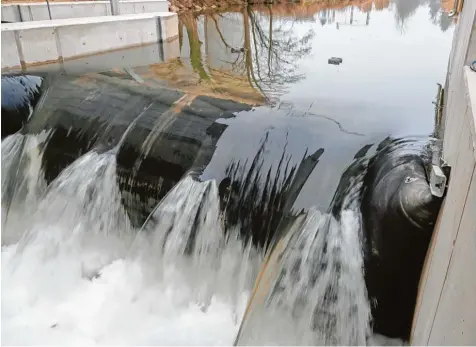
404 9
277 48
244 44
252 54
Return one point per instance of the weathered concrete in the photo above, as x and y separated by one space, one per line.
61 10
34 43
455 103
11 13
446 309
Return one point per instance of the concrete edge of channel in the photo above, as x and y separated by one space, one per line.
42 42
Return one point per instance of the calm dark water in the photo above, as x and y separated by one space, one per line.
393 57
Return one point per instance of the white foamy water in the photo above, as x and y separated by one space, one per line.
312 291
22 182
74 277
74 272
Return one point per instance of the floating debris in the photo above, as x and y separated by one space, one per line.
335 61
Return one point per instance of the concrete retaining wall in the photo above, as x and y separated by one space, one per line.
78 9
122 59
10 13
445 313
40 42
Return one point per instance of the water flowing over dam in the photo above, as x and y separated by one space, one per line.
79 223
78 230
166 205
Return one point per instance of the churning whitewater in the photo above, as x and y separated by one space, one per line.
75 272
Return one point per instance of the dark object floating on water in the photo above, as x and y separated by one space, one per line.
399 213
334 61
237 50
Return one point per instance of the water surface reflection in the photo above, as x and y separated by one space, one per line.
393 55
274 60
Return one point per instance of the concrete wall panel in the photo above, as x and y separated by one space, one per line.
99 37
10 55
169 26
25 13
455 101
125 58
78 9
47 41
38 45
445 313
35 12
62 11
127 8
455 319
142 56
445 233
10 13
149 6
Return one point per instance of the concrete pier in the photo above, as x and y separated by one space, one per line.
445 313
36 11
54 41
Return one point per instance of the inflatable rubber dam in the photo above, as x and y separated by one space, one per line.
252 204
